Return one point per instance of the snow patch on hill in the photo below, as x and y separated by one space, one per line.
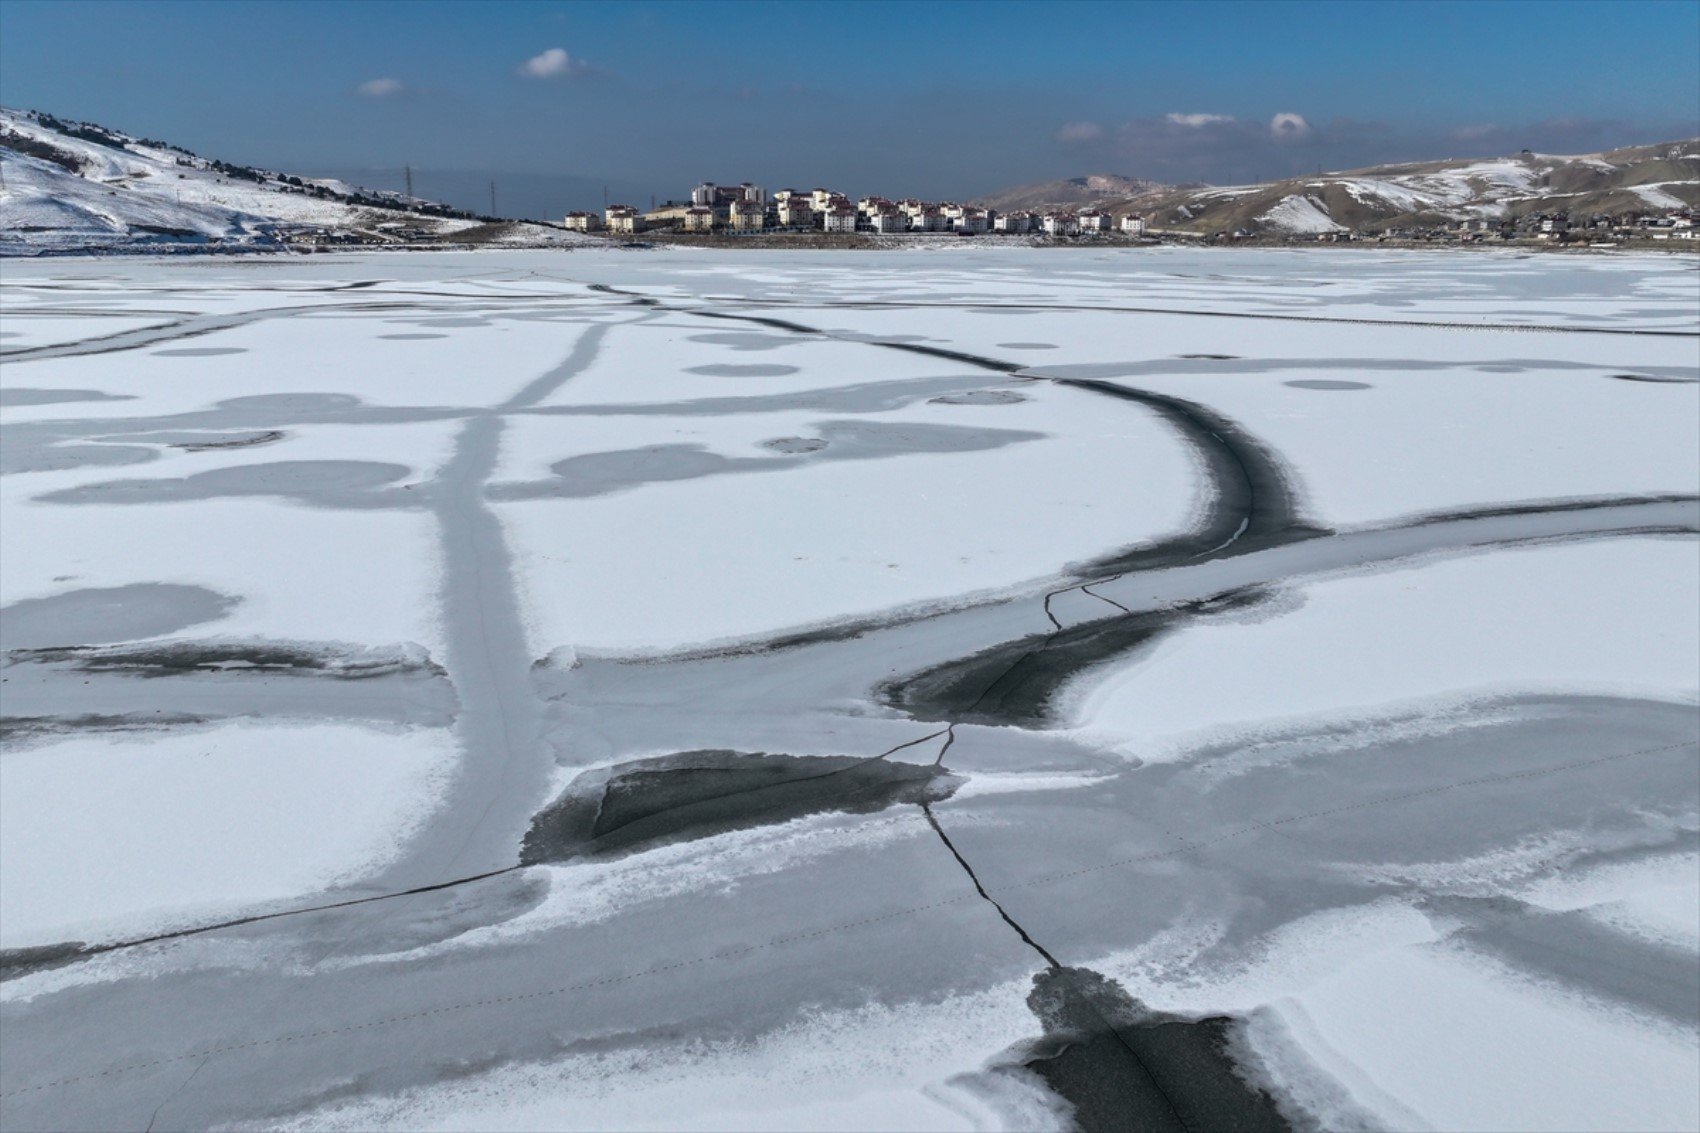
1299 214
73 186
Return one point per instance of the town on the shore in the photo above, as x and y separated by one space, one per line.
747 210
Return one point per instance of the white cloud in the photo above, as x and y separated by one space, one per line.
1196 121
380 88
1289 125
554 63
1476 132
1080 132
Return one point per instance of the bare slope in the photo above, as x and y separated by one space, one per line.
1076 192
1655 177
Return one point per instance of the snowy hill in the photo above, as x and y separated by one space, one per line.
1641 178
75 186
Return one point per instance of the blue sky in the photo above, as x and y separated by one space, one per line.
935 99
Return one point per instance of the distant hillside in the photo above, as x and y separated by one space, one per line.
76 186
1655 178
1076 192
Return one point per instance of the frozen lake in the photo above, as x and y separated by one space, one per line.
961 689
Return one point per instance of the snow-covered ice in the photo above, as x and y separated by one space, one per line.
938 688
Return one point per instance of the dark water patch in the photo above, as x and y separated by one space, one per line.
1123 1066
15 962
594 474
1653 378
103 615
20 730
1534 508
196 441
795 444
980 397
235 657
231 440
27 396
200 351
750 371
696 794
411 337
1027 346
1252 502
889 342
321 483
1015 683
1210 357
963 356
1322 383
11 334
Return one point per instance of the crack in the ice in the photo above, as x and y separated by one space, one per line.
153 1117
779 941
932 820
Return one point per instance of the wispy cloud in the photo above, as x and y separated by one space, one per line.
1475 132
1288 126
554 63
381 88
1195 121
1080 132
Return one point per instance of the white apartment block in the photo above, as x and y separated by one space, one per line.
927 219
747 216
623 218
1091 220
795 212
970 220
710 195
839 218
888 219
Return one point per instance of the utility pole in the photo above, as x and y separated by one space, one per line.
408 170
492 198
604 198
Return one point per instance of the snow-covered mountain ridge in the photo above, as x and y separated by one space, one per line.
1652 178
75 186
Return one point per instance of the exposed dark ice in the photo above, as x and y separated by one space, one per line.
695 794
980 397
